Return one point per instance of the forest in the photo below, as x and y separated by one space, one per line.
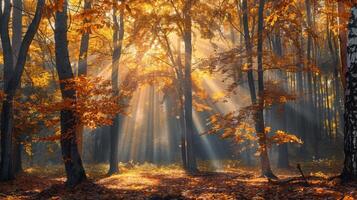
178 99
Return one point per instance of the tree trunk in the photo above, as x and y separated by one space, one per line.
301 101
83 51
350 142
260 128
83 67
69 121
191 159
16 27
180 93
342 34
283 159
309 101
283 156
118 36
12 82
101 150
249 50
16 43
6 172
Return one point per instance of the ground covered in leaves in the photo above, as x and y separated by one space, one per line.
170 182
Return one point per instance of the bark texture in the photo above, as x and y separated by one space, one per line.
71 157
190 154
350 141
118 36
16 43
13 74
83 65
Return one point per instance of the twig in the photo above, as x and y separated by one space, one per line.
302 174
334 177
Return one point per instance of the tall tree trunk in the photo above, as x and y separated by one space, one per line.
315 113
342 34
83 66
249 52
350 142
180 93
101 150
13 75
191 158
181 112
301 101
118 36
309 100
16 43
69 121
6 172
260 129
283 156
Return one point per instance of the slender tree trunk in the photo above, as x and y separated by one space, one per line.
283 156
69 121
342 34
83 66
118 36
249 51
260 128
180 92
101 148
301 102
16 43
83 51
309 103
182 116
191 158
265 164
350 142
16 27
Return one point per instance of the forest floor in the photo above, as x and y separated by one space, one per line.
170 182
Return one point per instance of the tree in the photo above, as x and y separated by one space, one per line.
259 116
16 42
260 128
83 61
12 75
343 41
71 157
190 155
118 36
350 132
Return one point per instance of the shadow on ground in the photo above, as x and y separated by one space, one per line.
174 184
